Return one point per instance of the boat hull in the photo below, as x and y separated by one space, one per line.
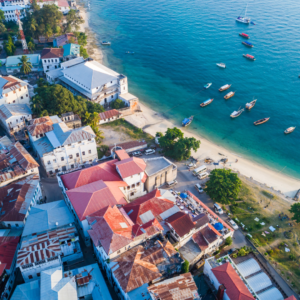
259 122
250 58
247 45
287 131
252 105
244 21
226 97
221 89
205 104
221 66
244 36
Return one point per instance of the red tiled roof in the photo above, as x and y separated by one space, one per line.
291 298
181 222
52 53
144 178
63 3
235 287
210 211
109 114
206 236
131 166
148 202
8 247
94 196
122 154
150 228
105 171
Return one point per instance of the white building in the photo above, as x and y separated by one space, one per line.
10 8
51 58
62 5
109 116
59 147
15 162
17 199
13 117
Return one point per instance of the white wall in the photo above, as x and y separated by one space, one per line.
50 64
18 96
16 123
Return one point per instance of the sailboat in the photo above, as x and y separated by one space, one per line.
244 19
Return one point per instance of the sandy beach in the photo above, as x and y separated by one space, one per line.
152 122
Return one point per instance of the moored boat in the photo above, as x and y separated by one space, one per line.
229 95
207 85
129 52
251 104
105 43
247 44
187 121
261 121
244 35
244 19
221 65
251 57
205 103
224 87
289 130
237 113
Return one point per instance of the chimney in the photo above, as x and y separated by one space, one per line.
221 291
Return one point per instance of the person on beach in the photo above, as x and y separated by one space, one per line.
236 160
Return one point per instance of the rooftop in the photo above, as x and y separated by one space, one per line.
52 53
71 49
109 114
156 164
181 223
48 216
130 145
42 125
130 166
27 291
64 39
8 248
179 287
11 83
9 110
15 60
122 154
71 62
16 198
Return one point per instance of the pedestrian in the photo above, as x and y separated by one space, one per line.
236 160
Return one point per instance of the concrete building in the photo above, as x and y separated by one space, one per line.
13 117
10 7
71 51
109 116
17 199
71 120
12 62
129 147
51 58
48 249
13 90
60 148
15 162
64 39
62 5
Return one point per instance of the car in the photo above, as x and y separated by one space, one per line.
233 224
199 188
203 175
231 251
137 153
149 151
218 209
172 183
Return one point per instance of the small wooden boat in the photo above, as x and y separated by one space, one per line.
249 56
129 52
289 130
235 114
105 43
224 87
247 44
261 121
244 35
205 103
221 65
251 104
187 121
207 85
229 95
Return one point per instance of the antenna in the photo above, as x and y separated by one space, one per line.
24 44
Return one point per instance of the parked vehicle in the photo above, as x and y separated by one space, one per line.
199 188
136 153
172 183
149 151
199 170
218 209
203 175
231 251
233 224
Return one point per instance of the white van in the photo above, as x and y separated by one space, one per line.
203 175
199 170
218 209
149 151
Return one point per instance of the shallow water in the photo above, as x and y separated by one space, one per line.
177 45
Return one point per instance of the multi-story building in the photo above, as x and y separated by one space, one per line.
71 51
9 9
71 120
59 147
12 63
17 198
64 39
13 91
62 5
48 249
13 117
15 162
51 58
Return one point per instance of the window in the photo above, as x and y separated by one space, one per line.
37 136
26 95
21 97
9 288
131 194
119 252
17 120
128 187
17 225
30 277
133 186
41 135
138 184
90 151
83 152
112 96
14 101
38 274
56 170
72 166
64 168
20 90
62 158
71 156
54 160
77 154
48 162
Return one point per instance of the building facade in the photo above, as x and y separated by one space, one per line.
51 58
9 9
12 63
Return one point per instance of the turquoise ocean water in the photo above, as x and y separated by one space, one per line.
177 44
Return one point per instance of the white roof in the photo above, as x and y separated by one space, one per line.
272 293
13 8
72 62
27 291
166 194
248 267
90 74
9 110
259 282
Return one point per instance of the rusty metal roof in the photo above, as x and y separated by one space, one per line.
8 247
52 53
182 287
181 223
131 166
40 126
109 114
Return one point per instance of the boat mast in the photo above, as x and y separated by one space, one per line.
246 10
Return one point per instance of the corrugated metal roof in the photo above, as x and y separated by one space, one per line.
8 247
26 291
9 110
259 282
271 294
109 114
40 126
248 267
52 53
131 166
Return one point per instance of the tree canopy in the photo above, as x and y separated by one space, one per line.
117 104
25 64
175 145
295 209
73 21
223 186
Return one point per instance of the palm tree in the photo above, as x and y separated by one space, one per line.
25 64
36 105
99 134
94 121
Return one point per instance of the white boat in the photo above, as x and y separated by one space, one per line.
207 85
235 114
221 65
289 130
105 43
244 19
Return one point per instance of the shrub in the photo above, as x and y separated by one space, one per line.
267 194
228 241
185 267
234 255
117 104
292 256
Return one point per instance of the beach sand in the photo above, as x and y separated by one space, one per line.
152 122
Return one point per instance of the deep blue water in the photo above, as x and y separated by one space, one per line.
177 44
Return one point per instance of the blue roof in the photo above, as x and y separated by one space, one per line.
71 49
29 290
247 43
185 121
43 146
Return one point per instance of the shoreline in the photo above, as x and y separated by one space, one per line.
151 122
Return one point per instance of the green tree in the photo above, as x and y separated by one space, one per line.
295 210
223 186
73 20
99 134
117 104
31 46
81 38
9 46
83 52
2 17
25 64
228 241
185 267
